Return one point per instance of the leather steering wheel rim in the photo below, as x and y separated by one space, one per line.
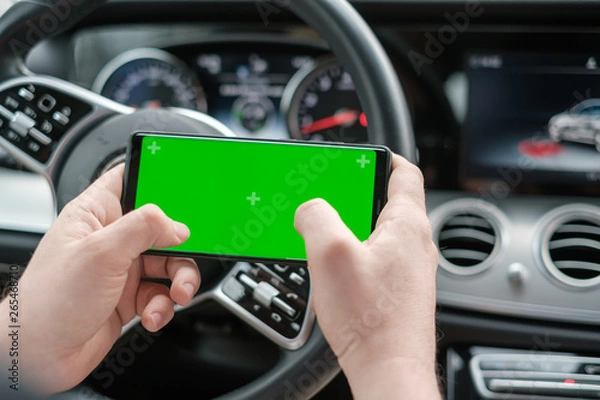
305 371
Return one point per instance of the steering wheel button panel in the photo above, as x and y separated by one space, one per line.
264 298
28 122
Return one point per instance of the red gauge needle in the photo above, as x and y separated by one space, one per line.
330 122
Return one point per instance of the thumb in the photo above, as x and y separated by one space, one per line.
140 230
323 230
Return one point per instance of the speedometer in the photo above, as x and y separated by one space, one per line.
320 103
150 78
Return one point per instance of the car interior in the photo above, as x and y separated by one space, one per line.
485 96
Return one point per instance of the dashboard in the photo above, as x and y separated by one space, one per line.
506 114
266 89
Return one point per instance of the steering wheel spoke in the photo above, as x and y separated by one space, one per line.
40 116
272 298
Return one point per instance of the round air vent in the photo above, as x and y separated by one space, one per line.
571 245
468 235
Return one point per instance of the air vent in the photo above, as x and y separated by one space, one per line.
571 248
519 375
466 240
467 236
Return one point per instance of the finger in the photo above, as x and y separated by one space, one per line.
324 232
185 278
405 191
154 305
140 230
406 179
126 307
103 197
183 273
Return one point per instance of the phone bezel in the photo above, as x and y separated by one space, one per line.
382 173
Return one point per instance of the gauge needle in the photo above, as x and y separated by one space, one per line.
330 122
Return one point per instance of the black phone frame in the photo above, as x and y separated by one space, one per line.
383 166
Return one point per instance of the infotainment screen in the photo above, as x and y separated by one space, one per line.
533 121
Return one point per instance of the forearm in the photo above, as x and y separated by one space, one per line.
395 379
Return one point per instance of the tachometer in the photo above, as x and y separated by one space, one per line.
150 78
320 103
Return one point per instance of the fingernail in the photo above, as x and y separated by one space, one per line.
156 318
182 231
189 289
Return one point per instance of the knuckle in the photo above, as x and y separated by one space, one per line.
410 172
184 269
410 220
424 231
412 227
339 249
151 292
416 173
152 215
425 226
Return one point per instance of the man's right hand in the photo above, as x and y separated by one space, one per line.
375 300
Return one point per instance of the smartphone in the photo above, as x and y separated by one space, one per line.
238 196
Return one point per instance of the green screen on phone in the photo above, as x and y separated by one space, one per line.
239 197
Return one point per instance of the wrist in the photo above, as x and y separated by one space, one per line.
393 363
395 378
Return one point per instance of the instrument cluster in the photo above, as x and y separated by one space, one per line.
299 92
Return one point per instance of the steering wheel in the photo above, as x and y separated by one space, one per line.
71 135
